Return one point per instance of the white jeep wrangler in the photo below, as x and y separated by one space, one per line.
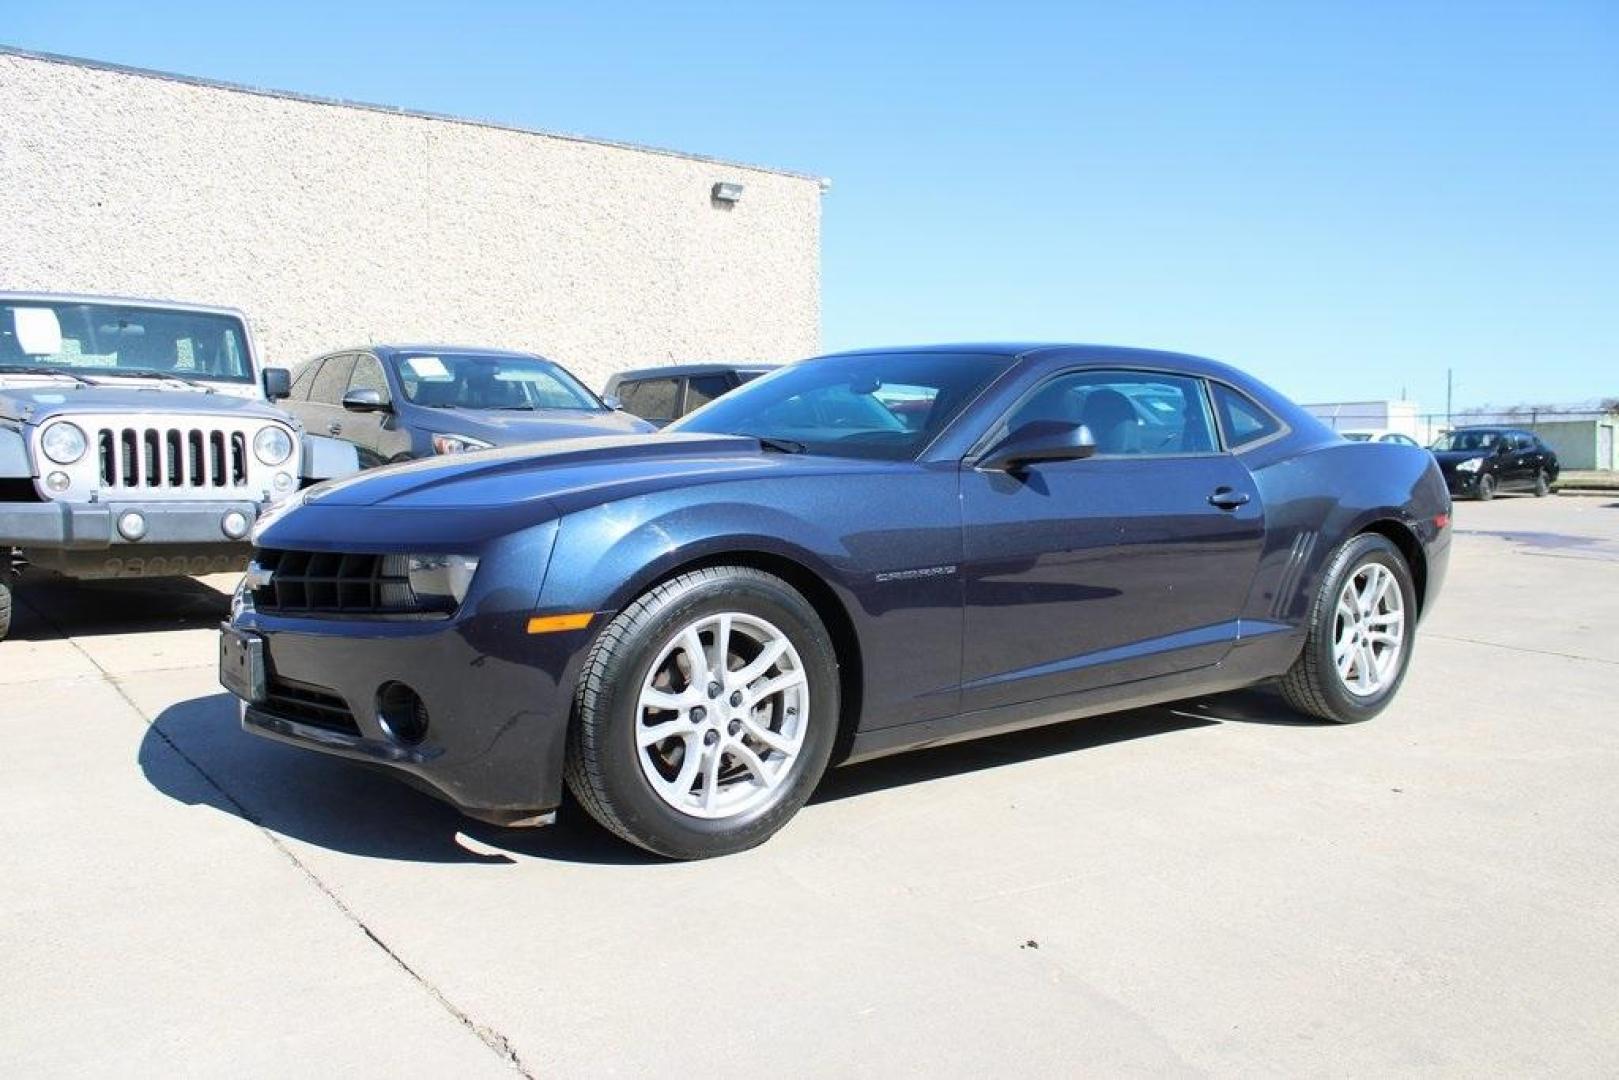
138 439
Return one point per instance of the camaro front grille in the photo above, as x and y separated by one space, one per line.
324 582
136 458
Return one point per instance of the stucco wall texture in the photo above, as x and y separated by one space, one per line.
334 225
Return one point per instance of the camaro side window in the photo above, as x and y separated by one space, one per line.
1131 413
1244 420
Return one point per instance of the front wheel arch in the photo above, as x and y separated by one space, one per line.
834 615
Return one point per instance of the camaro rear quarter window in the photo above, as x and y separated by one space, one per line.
1244 420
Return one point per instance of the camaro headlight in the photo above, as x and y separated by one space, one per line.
440 582
272 445
63 443
458 444
1470 465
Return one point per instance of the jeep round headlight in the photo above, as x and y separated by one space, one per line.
272 446
63 443
1470 465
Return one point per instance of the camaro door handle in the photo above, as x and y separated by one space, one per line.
1227 499
335 429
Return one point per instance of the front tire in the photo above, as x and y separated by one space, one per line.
705 714
1486 488
5 599
1543 486
1360 635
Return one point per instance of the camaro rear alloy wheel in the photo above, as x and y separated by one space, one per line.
1359 639
706 713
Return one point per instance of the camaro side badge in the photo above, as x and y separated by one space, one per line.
911 575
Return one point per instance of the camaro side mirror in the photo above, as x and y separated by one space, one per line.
613 401
364 401
1502 447
1037 441
277 383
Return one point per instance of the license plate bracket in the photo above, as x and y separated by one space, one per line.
241 664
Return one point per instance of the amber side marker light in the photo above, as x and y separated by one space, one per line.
551 624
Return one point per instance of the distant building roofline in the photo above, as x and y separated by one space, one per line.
394 110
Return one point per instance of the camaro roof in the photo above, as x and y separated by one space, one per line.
1078 352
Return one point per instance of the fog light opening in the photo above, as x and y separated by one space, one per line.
401 713
131 525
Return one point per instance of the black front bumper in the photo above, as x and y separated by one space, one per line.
497 719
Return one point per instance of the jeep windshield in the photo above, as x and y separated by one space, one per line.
84 340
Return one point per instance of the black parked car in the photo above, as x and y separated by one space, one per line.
397 402
688 629
662 394
1479 461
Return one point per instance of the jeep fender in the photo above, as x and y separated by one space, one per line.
327 459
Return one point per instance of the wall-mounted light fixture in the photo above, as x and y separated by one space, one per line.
725 192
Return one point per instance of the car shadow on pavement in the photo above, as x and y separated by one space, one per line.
196 753
341 805
49 606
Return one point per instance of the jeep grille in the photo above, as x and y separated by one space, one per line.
167 456
172 458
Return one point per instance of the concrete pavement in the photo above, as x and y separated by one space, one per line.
1217 888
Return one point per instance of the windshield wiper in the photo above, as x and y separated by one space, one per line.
514 408
780 446
21 369
152 373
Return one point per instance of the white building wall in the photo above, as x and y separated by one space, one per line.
334 224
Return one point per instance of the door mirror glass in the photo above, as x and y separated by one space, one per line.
364 400
1037 441
277 383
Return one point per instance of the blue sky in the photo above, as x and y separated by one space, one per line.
1345 199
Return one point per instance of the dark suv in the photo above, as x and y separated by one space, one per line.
663 394
397 402
1479 461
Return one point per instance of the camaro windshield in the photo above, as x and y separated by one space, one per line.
87 340
1469 440
873 405
476 381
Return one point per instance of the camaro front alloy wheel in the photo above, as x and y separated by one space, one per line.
1359 641
705 713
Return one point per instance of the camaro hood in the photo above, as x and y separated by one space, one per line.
569 473
35 403
509 427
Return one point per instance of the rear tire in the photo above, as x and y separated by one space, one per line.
747 735
1360 635
1486 488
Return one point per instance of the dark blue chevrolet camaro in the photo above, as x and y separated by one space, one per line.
855 555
